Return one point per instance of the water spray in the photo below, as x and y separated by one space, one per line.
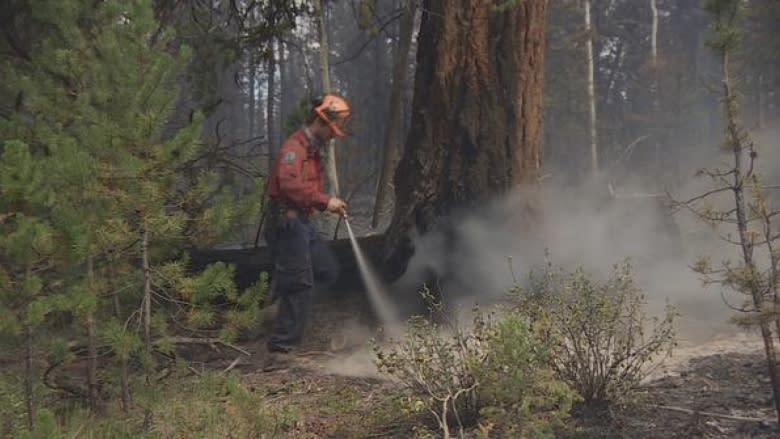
384 308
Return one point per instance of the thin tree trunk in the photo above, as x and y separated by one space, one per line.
92 341
654 33
735 141
124 380
333 179
393 131
591 89
252 103
147 313
29 395
145 266
654 88
654 54
269 111
283 104
760 101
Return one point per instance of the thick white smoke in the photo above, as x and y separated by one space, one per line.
590 227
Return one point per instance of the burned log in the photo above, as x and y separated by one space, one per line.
251 262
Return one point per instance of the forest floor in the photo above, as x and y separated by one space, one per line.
716 388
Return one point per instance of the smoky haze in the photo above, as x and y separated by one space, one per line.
586 226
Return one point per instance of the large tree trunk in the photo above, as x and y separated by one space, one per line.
477 113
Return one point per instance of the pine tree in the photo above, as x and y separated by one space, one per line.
105 175
28 253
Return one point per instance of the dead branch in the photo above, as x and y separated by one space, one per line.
707 194
628 150
730 306
74 390
207 341
710 414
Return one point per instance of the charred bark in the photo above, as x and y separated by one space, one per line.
477 114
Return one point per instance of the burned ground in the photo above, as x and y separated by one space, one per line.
340 395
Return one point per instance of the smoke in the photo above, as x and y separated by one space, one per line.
482 253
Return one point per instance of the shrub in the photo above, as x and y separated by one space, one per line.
519 394
596 330
494 372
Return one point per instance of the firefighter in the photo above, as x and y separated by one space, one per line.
297 191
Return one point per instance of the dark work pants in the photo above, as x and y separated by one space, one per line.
303 261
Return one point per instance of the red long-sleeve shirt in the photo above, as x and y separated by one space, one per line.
298 178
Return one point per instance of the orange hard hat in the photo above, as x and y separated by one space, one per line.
335 111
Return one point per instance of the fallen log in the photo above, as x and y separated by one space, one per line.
251 262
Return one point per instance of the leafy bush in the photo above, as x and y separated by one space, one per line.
494 372
596 329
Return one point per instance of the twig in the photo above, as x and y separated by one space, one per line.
628 150
193 370
232 365
78 431
707 194
367 42
209 341
709 414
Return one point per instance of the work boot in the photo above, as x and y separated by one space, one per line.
276 361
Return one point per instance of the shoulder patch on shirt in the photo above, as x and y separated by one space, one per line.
289 157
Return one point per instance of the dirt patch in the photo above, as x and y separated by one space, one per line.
684 404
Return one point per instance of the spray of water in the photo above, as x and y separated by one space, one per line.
376 292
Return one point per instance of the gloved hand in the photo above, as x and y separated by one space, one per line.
337 205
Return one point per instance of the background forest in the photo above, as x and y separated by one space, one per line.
134 134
